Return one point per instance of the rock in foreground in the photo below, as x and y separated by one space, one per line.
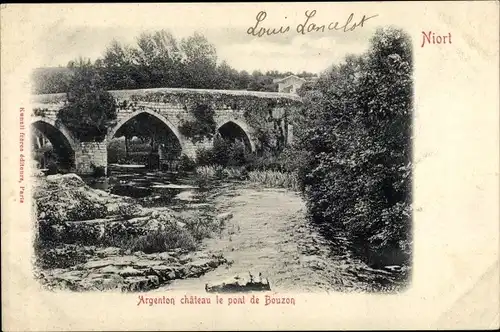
111 270
91 240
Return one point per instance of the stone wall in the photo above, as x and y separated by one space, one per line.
89 155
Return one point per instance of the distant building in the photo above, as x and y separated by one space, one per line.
289 84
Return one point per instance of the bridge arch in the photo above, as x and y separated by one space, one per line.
234 129
62 140
158 116
166 144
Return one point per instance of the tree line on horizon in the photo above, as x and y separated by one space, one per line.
159 60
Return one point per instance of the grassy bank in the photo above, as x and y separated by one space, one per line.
266 178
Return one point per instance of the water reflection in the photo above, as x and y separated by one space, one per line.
159 188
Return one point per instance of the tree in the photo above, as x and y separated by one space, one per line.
262 82
243 80
202 126
227 77
90 109
357 173
158 58
50 80
200 62
117 67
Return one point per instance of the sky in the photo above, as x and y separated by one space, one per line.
71 34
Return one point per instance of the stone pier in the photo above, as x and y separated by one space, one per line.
90 156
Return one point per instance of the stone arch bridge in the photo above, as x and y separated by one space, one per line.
169 106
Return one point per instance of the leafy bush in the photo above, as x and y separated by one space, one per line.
80 233
203 126
289 160
186 164
239 173
237 154
46 232
223 153
207 171
219 172
356 172
90 110
205 157
266 162
220 151
116 151
52 256
50 213
68 233
120 234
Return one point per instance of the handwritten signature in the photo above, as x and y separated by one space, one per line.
307 26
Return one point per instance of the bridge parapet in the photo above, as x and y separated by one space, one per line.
179 96
49 112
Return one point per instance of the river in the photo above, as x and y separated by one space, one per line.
151 188
268 233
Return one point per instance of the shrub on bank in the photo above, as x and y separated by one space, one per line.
163 240
186 164
55 209
205 157
275 179
52 168
219 172
357 139
207 171
223 153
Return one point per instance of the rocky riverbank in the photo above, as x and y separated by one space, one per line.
88 239
113 268
91 240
